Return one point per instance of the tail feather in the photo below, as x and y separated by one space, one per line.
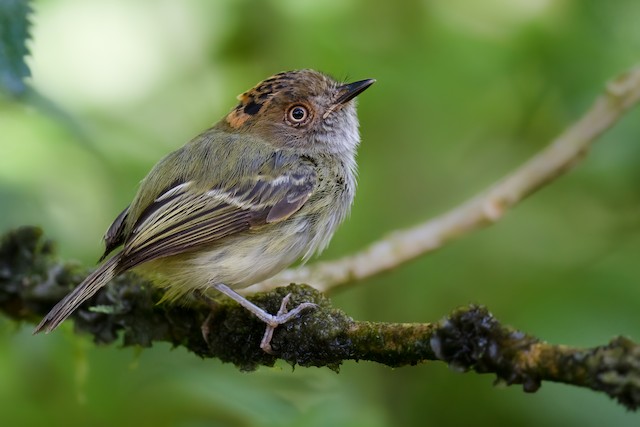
80 294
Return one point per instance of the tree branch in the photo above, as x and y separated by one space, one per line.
621 94
32 279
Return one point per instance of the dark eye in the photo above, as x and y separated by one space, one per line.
297 114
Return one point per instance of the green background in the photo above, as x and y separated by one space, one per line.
467 90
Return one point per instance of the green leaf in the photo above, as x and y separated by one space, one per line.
14 33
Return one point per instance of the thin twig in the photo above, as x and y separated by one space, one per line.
486 208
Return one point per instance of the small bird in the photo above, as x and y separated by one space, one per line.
265 186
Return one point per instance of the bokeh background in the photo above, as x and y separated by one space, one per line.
466 91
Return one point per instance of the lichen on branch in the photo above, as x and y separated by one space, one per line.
32 279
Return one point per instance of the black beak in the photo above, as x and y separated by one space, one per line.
351 90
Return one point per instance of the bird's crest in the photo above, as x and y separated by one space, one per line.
253 100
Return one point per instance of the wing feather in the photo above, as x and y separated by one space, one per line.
182 218
114 236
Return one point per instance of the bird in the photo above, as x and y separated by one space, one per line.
264 187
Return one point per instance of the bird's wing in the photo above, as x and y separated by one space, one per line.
183 218
115 236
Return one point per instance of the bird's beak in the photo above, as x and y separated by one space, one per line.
351 90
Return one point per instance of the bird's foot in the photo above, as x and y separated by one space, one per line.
273 321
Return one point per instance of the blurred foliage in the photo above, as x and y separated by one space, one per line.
466 91
14 33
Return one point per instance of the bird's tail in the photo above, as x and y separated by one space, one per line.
83 292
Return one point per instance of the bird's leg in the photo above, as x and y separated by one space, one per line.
214 305
272 321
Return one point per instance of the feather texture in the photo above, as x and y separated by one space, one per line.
184 218
80 294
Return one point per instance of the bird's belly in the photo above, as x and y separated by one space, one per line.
248 261
241 261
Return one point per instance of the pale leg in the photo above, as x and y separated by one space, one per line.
272 321
205 328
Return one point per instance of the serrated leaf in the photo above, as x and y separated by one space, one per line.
14 33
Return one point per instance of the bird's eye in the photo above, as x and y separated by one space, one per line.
297 115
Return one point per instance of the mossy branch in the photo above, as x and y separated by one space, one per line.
32 279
